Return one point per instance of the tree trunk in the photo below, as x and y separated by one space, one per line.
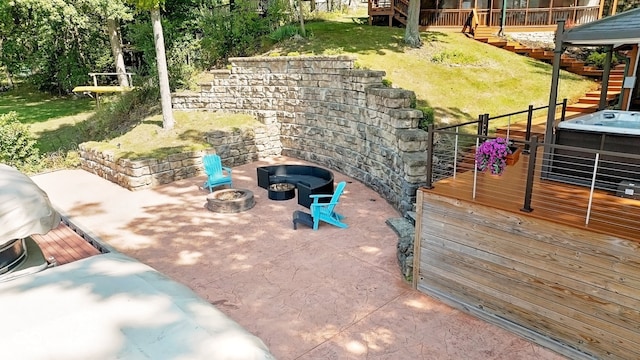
6 68
412 32
163 74
116 50
301 18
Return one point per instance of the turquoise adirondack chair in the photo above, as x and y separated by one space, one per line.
215 172
325 211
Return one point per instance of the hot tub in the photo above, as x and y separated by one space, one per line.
607 121
607 130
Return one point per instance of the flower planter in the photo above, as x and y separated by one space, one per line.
513 158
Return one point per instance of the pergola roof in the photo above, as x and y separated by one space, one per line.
623 28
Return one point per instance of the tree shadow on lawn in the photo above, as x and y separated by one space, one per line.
546 69
36 107
355 38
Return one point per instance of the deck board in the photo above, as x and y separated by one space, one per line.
64 245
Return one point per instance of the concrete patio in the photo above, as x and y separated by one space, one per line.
327 294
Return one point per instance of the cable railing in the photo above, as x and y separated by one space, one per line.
451 152
586 187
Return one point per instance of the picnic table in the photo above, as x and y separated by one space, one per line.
103 89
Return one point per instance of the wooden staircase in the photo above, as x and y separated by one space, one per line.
586 104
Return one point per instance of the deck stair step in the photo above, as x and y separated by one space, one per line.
544 55
596 94
583 108
519 132
589 100
516 47
497 42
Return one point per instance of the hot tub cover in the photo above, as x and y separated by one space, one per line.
25 209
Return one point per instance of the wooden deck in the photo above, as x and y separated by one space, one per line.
64 245
552 201
547 274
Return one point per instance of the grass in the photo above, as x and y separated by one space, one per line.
149 140
52 119
35 107
458 77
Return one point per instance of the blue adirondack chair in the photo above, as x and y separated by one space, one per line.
215 172
325 211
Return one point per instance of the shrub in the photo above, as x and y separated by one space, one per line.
17 146
428 117
238 32
597 59
284 32
118 116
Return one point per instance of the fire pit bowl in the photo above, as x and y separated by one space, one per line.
282 191
230 200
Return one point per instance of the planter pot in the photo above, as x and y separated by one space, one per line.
513 158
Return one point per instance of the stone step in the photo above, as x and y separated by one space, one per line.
404 251
402 227
411 216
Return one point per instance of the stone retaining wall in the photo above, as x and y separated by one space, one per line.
325 111
140 174
235 147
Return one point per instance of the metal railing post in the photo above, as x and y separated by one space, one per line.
593 186
527 136
564 110
528 190
455 154
480 122
485 125
429 184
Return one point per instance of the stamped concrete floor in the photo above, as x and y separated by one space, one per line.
327 294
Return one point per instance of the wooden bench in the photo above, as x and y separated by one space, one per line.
307 179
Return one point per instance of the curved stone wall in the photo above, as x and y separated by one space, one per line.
329 113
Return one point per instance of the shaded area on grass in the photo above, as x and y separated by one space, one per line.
33 106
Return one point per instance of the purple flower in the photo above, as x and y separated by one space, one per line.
492 155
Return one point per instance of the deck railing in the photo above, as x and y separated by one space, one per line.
514 17
574 185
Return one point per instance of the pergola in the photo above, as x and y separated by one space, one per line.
610 32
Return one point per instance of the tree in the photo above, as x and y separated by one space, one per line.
301 18
412 32
114 11
55 42
163 75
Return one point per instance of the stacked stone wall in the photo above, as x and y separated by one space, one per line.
235 147
325 111
141 174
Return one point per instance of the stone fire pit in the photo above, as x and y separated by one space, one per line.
230 200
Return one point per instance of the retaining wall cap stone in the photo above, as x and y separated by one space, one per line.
391 92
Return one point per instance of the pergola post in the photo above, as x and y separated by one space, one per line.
604 88
553 95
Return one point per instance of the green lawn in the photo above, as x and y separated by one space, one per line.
52 119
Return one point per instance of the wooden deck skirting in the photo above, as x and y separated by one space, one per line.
545 275
64 245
